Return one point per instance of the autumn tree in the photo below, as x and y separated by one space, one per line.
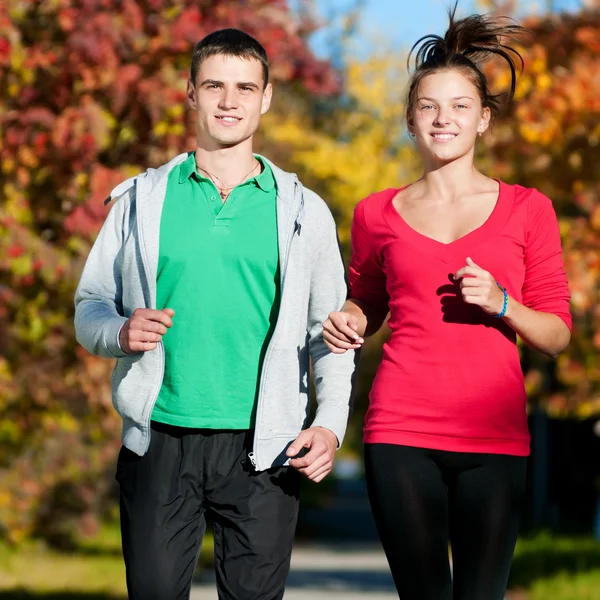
549 138
91 92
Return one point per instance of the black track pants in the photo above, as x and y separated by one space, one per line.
165 495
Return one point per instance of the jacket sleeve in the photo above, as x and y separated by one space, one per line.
98 299
333 373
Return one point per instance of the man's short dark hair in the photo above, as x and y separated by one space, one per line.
229 42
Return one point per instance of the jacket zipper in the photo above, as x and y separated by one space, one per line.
295 227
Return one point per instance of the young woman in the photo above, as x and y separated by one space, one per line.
464 264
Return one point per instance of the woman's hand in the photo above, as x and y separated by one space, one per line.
479 287
340 332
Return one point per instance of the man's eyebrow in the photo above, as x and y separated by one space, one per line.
239 84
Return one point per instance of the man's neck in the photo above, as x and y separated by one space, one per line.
230 165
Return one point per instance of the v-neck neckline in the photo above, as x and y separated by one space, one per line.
447 252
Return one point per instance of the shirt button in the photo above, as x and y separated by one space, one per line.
213 197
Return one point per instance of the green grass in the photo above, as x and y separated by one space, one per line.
94 572
34 572
551 567
545 567
583 586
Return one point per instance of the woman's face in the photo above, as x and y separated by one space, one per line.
447 117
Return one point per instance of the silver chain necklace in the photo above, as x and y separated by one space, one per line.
224 190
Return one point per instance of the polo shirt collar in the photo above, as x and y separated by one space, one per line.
187 168
265 180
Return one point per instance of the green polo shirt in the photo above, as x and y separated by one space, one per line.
218 269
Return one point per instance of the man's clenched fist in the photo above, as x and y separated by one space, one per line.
144 329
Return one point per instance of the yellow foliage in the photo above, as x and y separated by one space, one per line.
176 111
366 151
17 57
127 135
28 76
81 179
544 82
5 371
172 13
67 422
523 88
538 65
108 119
5 499
161 129
27 157
16 206
8 165
21 265
177 129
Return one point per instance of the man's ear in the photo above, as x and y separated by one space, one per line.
191 94
266 100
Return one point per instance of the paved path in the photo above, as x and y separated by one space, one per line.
334 571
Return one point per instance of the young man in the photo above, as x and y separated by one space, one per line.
209 283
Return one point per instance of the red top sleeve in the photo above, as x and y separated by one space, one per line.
367 278
545 287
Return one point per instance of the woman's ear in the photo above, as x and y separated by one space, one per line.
410 125
484 123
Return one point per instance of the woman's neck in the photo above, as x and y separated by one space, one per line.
451 180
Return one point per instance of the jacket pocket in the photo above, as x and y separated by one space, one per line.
282 412
133 381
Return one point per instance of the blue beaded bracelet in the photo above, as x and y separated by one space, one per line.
505 303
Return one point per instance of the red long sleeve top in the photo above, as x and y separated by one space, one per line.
450 377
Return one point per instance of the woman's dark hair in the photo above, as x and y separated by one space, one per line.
467 44
229 42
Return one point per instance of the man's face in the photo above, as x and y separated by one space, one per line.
229 97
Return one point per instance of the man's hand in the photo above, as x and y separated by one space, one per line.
144 329
318 461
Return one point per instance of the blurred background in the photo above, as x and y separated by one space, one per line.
93 91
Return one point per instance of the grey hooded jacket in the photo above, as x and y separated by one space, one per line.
120 276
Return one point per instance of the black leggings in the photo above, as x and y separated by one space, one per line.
422 499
